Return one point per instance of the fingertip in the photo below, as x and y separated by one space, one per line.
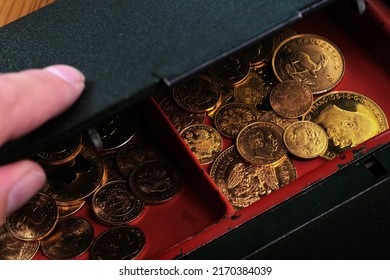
69 74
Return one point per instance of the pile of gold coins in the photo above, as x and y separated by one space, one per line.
111 171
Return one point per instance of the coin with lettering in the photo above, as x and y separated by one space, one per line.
261 143
243 183
260 52
204 141
291 99
62 152
118 243
15 249
179 117
70 238
114 204
272 116
232 117
76 181
70 209
155 181
349 119
231 71
198 94
251 91
134 153
311 60
35 219
305 139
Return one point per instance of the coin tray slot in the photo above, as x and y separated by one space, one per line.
375 167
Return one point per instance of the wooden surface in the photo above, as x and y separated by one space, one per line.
11 10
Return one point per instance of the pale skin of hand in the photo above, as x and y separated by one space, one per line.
27 100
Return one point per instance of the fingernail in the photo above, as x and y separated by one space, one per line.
28 185
68 73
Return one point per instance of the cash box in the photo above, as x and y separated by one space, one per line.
133 53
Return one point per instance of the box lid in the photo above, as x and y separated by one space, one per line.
128 49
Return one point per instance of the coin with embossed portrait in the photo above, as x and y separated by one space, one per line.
70 238
311 60
118 243
204 141
114 204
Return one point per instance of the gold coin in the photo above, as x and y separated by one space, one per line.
305 139
311 60
118 243
291 99
15 249
349 119
179 117
199 94
232 117
34 220
272 116
231 71
71 237
260 52
111 171
283 35
204 141
261 143
251 91
74 182
62 152
155 181
114 204
243 183
68 210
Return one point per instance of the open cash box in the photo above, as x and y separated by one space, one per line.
134 53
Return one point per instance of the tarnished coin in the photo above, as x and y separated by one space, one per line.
15 249
199 94
74 182
243 183
311 60
272 116
179 117
71 237
291 99
261 143
62 152
34 220
349 118
260 52
155 181
232 117
134 153
70 209
204 141
305 139
251 91
114 204
118 243
231 71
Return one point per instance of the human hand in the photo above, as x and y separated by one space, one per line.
27 100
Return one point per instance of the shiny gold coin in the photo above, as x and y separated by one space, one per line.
74 182
272 116
68 210
291 99
114 204
15 249
118 243
204 141
243 183
305 139
311 60
349 118
179 117
260 52
34 220
261 143
155 181
231 71
71 237
62 152
251 91
232 117
134 153
199 94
